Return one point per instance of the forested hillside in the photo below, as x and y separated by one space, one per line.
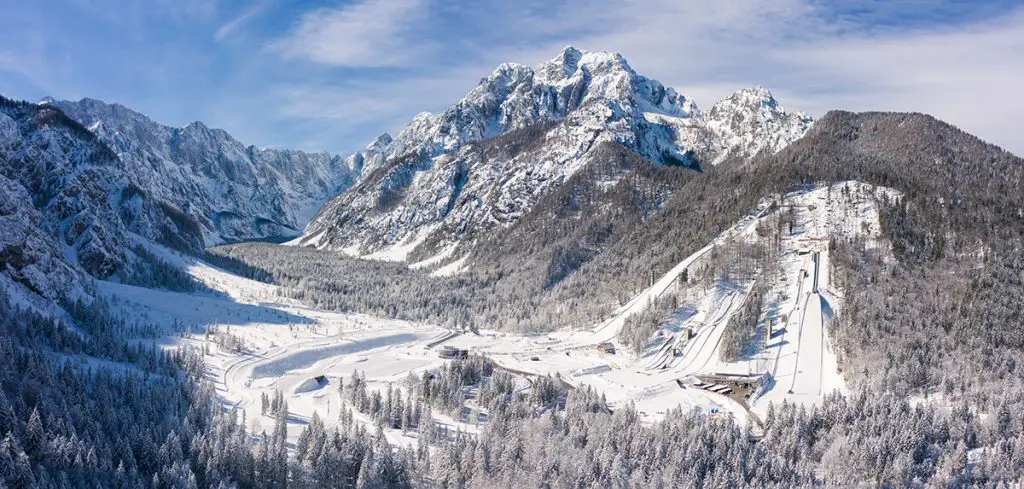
80 406
586 248
88 397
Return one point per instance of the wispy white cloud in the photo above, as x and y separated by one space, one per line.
331 74
334 111
230 27
966 75
131 14
368 33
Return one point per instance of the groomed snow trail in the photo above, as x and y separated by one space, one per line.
284 344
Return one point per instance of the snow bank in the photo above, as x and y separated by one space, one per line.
310 385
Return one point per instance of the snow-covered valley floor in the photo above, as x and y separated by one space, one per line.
257 343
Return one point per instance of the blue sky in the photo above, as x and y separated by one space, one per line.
332 75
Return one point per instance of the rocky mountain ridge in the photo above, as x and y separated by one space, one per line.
101 174
234 192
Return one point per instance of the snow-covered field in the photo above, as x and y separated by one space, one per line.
285 344
282 345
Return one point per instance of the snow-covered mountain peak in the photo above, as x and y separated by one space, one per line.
569 62
373 154
196 126
419 130
503 75
754 98
515 96
99 109
434 179
227 190
602 62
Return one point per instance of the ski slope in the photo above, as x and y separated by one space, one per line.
798 356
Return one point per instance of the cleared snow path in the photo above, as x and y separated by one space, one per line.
305 358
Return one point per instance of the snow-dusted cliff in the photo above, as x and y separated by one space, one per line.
80 180
100 173
744 124
65 200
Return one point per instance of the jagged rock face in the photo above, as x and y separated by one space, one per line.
371 158
600 88
487 159
233 192
77 188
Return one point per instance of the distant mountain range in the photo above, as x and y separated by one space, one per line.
234 192
98 174
556 162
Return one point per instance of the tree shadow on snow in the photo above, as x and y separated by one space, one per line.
826 309
175 311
